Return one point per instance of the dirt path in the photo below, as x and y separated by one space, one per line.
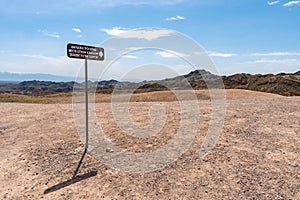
256 157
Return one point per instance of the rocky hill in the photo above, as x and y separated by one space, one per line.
283 84
287 84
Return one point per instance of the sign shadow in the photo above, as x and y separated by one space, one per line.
76 178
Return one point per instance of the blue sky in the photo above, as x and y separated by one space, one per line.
253 36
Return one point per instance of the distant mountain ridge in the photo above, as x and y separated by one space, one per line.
287 84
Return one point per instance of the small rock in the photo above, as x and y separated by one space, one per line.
294 164
109 150
122 193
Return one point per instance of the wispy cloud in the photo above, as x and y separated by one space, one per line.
273 3
135 48
130 56
77 30
26 55
171 54
49 34
291 3
147 34
114 31
277 61
176 18
282 62
276 54
219 54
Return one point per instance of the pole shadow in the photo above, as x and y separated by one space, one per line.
74 179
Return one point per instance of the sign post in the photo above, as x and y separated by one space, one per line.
87 53
86 105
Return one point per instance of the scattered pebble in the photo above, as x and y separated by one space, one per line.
294 164
109 150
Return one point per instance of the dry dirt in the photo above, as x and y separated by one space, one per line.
256 156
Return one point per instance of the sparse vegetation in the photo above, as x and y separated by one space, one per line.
66 98
44 99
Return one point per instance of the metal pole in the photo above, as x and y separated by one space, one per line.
86 108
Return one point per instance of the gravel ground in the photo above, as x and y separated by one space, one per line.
256 156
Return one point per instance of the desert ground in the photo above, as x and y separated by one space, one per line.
256 157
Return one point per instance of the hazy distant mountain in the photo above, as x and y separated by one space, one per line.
18 77
284 83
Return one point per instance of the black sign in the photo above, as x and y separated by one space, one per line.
85 52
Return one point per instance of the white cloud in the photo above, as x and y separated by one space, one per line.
49 34
178 17
171 54
114 31
224 55
28 55
218 54
291 3
135 48
130 56
277 61
274 62
77 30
277 54
165 54
147 34
273 3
